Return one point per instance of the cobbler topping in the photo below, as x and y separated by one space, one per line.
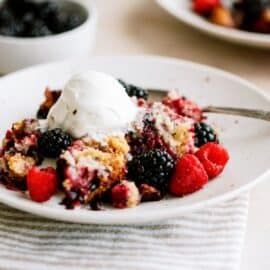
88 160
160 127
182 106
19 152
51 96
125 195
19 164
13 169
150 193
175 130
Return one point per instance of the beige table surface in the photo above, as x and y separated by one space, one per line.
141 27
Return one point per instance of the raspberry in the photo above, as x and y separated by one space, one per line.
183 106
125 195
188 177
42 183
214 157
204 7
262 26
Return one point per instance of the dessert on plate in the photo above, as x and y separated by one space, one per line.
248 15
110 145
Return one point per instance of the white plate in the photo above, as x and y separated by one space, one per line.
181 10
247 139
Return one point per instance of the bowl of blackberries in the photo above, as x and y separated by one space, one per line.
37 31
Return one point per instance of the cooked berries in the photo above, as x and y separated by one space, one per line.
153 168
204 7
133 90
246 15
41 183
252 9
90 170
149 193
125 195
183 106
204 133
222 16
52 142
214 158
51 96
188 177
26 18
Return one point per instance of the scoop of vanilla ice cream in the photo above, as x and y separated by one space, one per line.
91 103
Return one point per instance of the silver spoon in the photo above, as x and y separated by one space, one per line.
251 113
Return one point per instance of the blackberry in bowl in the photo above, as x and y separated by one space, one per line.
27 18
32 32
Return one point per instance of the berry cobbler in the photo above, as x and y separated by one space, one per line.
110 145
248 15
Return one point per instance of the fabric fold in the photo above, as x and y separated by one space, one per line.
209 239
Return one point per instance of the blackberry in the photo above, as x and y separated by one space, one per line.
28 18
7 31
6 16
153 168
56 22
133 90
52 142
38 29
47 10
204 134
251 9
73 21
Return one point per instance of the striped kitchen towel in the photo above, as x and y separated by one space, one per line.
209 239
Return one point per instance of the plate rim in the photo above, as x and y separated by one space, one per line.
233 35
90 217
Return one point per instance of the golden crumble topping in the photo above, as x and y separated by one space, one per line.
104 160
19 164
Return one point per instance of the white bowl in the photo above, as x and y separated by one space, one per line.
182 11
17 52
246 139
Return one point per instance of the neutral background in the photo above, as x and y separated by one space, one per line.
141 27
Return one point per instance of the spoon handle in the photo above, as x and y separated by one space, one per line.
258 114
